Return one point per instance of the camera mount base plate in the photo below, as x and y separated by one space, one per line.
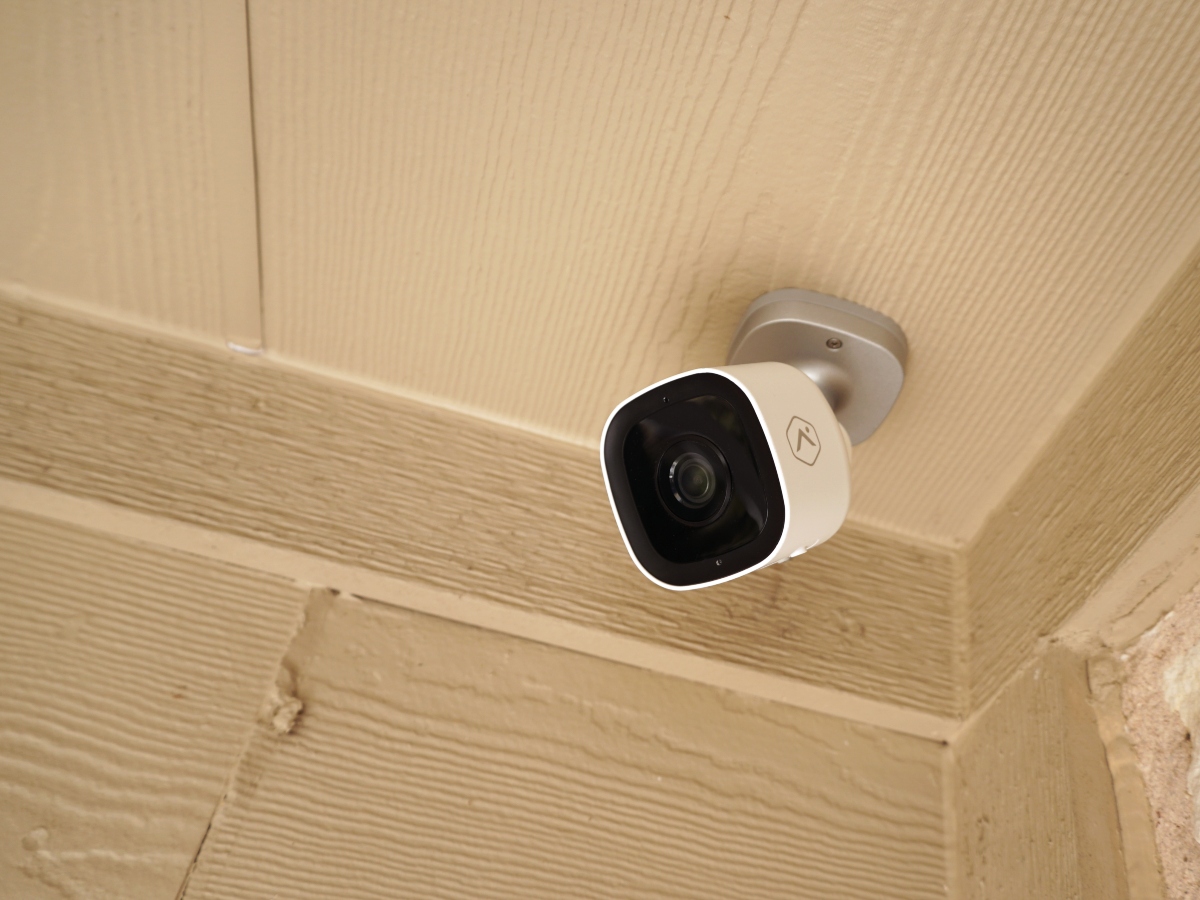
855 355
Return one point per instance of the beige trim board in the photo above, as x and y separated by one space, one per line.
1165 567
254 448
1031 806
1123 459
386 486
316 571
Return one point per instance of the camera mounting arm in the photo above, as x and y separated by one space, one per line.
856 356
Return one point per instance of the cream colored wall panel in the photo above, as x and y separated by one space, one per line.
129 680
127 168
431 759
533 209
258 449
1035 807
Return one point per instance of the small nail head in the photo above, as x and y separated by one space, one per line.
834 343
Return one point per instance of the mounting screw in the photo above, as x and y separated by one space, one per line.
718 562
834 343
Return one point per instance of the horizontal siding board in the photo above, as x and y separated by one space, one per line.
130 678
374 480
433 759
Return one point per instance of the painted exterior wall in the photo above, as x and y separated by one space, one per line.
353 616
175 723
529 211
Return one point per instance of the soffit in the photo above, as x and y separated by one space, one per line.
128 173
532 210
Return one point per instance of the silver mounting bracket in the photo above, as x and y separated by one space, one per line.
855 355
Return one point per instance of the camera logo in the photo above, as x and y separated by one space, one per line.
803 440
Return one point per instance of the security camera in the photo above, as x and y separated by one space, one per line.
720 471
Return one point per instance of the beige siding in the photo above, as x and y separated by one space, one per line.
436 760
126 167
533 209
129 681
1034 804
387 485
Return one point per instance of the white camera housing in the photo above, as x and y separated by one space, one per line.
717 472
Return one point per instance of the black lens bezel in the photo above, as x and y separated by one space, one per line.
651 402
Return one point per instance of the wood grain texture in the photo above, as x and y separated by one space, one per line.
533 209
1125 457
1148 584
256 449
1035 809
129 680
436 760
127 170
468 609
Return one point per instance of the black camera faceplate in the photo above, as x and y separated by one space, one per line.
715 408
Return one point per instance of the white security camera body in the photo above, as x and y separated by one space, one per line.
718 472
807 458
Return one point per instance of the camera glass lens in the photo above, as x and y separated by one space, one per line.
693 480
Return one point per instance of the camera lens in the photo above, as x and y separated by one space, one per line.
693 480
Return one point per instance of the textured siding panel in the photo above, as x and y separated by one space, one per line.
129 681
533 209
127 168
436 760
375 481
